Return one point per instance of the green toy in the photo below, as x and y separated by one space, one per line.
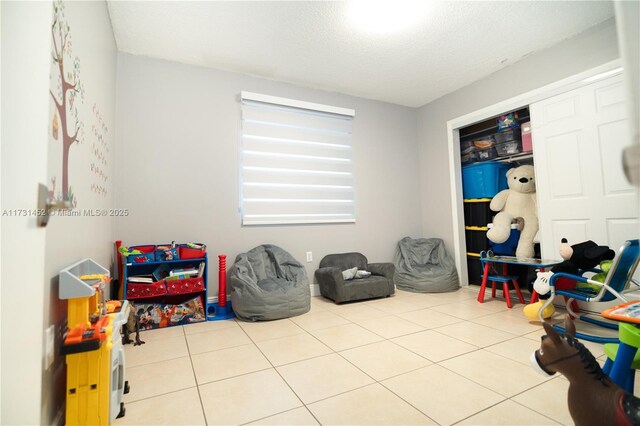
605 267
126 252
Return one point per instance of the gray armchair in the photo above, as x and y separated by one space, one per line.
333 286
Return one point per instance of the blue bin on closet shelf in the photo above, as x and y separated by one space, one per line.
508 248
484 180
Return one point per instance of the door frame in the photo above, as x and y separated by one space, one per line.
453 135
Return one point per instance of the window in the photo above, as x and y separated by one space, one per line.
296 162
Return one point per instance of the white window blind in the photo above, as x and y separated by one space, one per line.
296 162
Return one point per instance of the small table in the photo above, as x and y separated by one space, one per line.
511 260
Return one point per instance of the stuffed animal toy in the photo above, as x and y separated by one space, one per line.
581 257
578 258
605 267
541 286
517 201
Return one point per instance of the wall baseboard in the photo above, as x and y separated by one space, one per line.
313 288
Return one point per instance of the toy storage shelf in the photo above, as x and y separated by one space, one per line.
476 215
484 175
167 303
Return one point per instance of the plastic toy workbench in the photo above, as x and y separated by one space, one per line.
92 346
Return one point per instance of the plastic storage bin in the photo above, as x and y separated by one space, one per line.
527 142
508 148
477 213
468 152
487 154
476 239
474 270
484 143
507 135
484 180
469 157
508 248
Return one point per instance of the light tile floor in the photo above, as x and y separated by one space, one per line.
404 360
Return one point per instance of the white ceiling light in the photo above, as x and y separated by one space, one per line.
384 16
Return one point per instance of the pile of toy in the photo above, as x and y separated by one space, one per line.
578 259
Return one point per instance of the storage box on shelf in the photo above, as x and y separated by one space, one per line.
527 141
474 269
487 154
476 239
508 148
484 180
477 212
507 136
507 248
166 293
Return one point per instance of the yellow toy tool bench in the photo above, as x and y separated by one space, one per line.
92 346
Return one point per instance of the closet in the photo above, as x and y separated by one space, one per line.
578 130
487 150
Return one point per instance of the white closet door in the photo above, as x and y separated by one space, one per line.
582 193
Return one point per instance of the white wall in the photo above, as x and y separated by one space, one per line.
177 166
25 87
72 238
588 50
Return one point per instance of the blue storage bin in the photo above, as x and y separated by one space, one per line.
484 180
165 252
508 248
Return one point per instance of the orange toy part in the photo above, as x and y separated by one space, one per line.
82 334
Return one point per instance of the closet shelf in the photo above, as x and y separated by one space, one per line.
477 200
516 157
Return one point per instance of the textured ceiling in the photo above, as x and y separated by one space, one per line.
314 43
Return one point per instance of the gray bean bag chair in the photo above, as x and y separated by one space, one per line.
334 285
267 283
423 266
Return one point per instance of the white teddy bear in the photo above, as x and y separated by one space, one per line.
517 201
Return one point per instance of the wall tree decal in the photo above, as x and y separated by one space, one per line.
70 92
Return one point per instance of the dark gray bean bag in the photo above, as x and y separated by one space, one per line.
423 266
267 283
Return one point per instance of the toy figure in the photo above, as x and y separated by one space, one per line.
593 398
132 325
581 257
578 259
